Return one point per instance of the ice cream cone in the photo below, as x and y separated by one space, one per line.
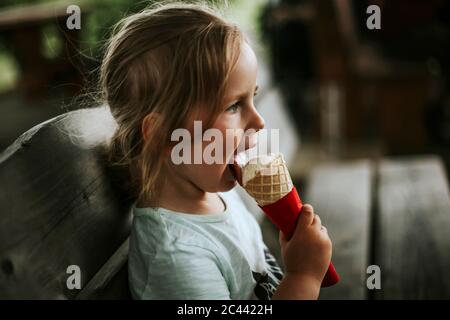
269 181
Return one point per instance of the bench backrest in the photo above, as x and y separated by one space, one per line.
59 207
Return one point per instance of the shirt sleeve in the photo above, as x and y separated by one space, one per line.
186 272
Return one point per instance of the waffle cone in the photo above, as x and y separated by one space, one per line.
270 184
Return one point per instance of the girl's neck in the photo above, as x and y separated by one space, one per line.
179 194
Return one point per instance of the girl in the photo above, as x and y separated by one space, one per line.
192 236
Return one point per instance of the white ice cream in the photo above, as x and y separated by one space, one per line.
263 165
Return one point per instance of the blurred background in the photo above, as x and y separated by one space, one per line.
340 93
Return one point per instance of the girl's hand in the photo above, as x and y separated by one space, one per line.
307 254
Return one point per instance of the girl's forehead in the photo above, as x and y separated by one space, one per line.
243 77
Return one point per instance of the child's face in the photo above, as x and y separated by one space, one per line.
238 113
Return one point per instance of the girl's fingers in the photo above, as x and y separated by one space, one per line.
317 221
307 216
307 207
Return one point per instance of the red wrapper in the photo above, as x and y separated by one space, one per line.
284 214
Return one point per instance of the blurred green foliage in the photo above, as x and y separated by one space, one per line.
97 25
97 19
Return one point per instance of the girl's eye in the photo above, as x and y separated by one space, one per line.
233 108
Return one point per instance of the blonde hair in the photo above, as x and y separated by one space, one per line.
169 61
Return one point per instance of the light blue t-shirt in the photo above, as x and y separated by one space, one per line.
175 255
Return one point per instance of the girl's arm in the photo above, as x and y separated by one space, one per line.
297 287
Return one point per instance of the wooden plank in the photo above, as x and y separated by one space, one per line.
111 281
341 195
58 205
413 238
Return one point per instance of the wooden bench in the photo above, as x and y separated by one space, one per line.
394 213
59 206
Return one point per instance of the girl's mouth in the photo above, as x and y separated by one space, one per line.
233 172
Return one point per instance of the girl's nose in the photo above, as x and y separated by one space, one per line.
256 122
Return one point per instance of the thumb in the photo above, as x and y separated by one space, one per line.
306 217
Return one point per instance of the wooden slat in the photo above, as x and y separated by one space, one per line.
413 245
58 206
341 196
111 281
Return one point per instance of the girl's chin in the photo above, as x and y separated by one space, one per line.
229 181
